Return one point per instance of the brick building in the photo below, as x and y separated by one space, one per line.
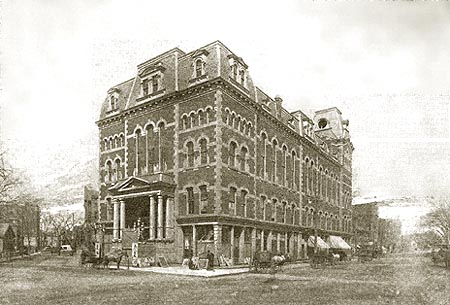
194 156
366 223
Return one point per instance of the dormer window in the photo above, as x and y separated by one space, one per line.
155 83
242 77
145 87
238 71
113 100
152 81
199 71
199 60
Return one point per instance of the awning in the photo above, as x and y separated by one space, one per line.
320 243
336 242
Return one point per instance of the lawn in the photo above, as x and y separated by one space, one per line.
407 279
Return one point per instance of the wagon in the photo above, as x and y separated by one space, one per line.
262 263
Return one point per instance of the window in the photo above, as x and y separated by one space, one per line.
273 217
185 121
283 165
118 173
264 156
243 158
263 205
203 199
209 115
190 154
138 145
193 120
244 202
145 87
190 200
113 102
234 70
294 169
201 117
109 171
242 77
232 156
232 202
322 123
155 83
274 160
198 68
203 151
283 212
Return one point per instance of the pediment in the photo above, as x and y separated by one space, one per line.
200 53
151 69
130 184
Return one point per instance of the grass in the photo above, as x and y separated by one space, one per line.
393 280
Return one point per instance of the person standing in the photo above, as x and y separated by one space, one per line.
210 257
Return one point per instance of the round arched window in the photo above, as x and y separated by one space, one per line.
322 123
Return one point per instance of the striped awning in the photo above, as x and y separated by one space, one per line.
320 243
336 242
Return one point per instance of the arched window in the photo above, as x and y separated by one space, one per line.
232 118
185 122
138 145
294 170
232 201
111 143
199 68
203 151
283 165
105 144
209 115
201 117
190 153
244 202
117 169
232 154
203 199
263 156
263 205
273 217
109 171
237 123
283 212
274 160
122 141
190 200
243 158
193 120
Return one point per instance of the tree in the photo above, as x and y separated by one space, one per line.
438 219
8 181
61 225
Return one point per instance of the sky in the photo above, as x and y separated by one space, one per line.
385 65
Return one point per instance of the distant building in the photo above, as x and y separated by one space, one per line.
195 157
25 222
389 234
366 223
91 197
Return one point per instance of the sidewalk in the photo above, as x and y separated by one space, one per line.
178 270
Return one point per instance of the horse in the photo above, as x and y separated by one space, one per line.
278 260
88 257
334 258
115 255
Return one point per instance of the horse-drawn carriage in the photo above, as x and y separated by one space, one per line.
266 262
368 252
322 258
95 260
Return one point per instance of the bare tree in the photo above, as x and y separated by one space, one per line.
438 219
8 181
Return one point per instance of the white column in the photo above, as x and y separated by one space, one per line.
262 240
160 217
232 244
116 220
152 217
122 218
